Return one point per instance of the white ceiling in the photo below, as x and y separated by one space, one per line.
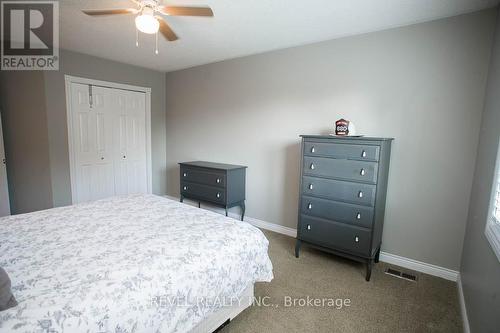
241 27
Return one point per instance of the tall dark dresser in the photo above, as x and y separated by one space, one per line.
342 195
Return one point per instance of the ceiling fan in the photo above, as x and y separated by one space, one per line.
149 19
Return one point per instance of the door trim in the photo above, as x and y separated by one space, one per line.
69 79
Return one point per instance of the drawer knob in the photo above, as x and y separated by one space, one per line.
310 186
356 239
362 172
313 150
358 216
310 206
218 180
360 194
185 188
308 227
218 195
185 174
312 166
363 154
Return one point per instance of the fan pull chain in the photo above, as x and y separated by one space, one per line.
136 37
156 50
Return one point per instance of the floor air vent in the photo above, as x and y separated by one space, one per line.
401 275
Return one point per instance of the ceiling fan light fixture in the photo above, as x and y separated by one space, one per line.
146 22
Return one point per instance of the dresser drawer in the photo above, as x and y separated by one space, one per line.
337 211
342 150
335 235
204 192
203 177
343 169
357 193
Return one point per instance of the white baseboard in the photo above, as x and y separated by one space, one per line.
463 308
272 227
389 258
419 266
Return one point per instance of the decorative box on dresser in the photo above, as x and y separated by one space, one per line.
217 183
342 195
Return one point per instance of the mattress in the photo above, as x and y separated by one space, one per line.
138 263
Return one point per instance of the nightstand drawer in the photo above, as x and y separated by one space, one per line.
342 169
342 150
204 192
335 235
356 193
337 211
203 177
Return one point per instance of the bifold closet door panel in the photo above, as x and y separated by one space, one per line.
129 140
4 186
92 143
109 142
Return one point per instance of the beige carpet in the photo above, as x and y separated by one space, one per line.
385 304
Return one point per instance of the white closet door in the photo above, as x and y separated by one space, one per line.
129 137
4 188
93 145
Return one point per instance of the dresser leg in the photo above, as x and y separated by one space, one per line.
377 256
297 248
369 265
199 204
242 210
226 211
182 198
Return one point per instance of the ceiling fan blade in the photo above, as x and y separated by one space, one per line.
102 12
165 30
186 11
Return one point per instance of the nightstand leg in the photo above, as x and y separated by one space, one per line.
377 256
369 265
242 210
297 248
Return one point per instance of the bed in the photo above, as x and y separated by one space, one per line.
138 263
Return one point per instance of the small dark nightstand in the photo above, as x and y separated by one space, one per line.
220 184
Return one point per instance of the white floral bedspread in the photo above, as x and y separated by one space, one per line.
139 263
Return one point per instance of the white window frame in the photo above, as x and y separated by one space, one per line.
492 230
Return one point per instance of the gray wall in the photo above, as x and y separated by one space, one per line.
422 84
36 134
480 270
24 121
77 64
